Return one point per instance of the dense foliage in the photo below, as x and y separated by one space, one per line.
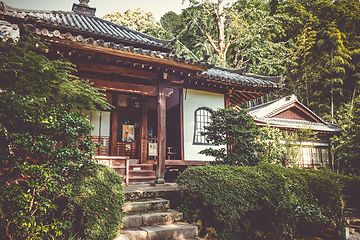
138 20
347 150
236 129
283 147
97 202
327 53
233 36
265 201
42 142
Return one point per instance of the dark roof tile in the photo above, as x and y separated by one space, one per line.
86 23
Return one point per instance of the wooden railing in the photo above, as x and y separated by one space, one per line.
110 160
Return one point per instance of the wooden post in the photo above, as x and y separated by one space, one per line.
227 105
113 133
160 167
143 130
227 99
182 124
127 173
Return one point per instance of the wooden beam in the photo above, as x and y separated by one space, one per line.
160 168
237 99
125 87
109 69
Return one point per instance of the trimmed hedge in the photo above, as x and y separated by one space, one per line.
97 202
265 201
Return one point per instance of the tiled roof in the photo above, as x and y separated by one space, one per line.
88 29
262 112
240 77
8 30
86 23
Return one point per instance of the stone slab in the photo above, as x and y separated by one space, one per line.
159 217
164 217
176 231
132 221
132 234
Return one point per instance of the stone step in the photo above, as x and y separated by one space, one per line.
142 173
159 217
176 231
146 205
137 180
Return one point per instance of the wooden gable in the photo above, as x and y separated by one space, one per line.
296 112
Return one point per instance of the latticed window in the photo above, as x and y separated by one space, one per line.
202 119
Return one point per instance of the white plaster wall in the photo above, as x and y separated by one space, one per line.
193 100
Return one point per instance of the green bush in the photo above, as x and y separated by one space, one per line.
42 142
236 129
97 202
262 201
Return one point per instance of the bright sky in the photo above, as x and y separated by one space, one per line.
157 7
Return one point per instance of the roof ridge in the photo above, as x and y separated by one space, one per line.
110 29
137 32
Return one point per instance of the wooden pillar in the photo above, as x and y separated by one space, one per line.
113 133
113 125
227 99
331 157
227 105
143 130
182 155
160 168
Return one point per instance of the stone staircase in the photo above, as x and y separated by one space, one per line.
152 219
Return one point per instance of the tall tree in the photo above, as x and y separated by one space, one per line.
237 130
324 76
235 35
347 149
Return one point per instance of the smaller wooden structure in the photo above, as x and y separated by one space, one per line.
289 114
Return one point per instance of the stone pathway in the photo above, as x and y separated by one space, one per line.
353 219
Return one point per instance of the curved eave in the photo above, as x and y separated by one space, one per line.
159 58
289 126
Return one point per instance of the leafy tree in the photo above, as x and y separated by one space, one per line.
42 142
283 147
237 130
172 23
327 58
270 139
347 150
235 35
138 20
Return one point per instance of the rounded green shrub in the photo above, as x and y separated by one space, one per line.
98 202
265 201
